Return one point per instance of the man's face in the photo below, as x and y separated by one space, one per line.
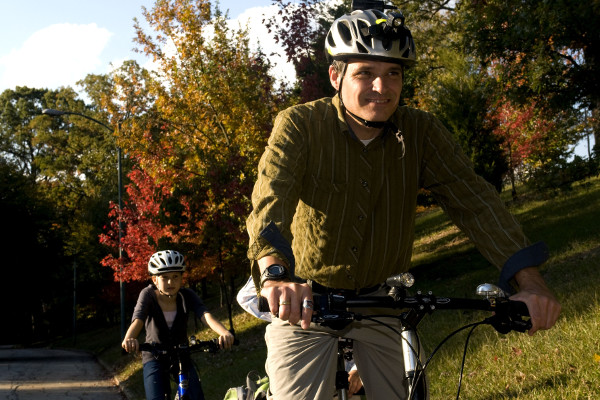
370 89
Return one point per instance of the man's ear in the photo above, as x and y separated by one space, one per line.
334 78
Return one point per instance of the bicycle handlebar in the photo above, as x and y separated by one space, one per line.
508 314
209 346
331 310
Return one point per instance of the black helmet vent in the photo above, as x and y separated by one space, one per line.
345 33
330 40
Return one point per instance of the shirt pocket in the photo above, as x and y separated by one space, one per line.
326 186
322 199
320 220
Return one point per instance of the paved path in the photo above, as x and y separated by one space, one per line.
49 374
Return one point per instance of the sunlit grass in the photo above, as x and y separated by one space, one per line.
563 363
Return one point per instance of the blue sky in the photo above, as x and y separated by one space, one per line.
54 43
49 44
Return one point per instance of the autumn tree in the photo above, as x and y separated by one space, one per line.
547 51
140 217
533 138
196 136
300 27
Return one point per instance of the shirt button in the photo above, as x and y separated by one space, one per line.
364 183
361 217
354 249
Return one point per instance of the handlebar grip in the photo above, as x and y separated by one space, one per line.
518 307
263 304
145 347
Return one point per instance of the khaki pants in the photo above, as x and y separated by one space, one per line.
301 364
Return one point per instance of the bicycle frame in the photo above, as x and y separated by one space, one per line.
180 356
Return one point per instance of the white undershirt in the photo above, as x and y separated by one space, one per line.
366 141
170 317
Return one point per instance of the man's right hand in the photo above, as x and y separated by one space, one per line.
290 301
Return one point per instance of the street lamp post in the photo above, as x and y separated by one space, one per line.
56 113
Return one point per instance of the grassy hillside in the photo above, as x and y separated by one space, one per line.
563 363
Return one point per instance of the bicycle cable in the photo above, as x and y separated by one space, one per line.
415 351
420 367
439 346
462 366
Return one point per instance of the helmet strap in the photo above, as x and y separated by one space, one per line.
165 294
364 122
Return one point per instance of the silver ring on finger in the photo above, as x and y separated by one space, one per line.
308 304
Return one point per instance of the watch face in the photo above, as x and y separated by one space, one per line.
276 270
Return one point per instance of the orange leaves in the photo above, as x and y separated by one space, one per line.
200 127
517 351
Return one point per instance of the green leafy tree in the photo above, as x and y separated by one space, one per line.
459 95
62 164
32 255
543 50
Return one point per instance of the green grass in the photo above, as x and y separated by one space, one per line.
562 363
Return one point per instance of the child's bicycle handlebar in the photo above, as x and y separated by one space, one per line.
208 346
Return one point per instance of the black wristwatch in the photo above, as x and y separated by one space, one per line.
274 272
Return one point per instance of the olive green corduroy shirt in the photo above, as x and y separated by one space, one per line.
349 209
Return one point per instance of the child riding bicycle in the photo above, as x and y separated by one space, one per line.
163 309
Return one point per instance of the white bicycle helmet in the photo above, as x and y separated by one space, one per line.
371 34
166 261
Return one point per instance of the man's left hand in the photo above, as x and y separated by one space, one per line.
544 308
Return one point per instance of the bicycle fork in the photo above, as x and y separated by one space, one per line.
412 370
182 379
341 376
182 386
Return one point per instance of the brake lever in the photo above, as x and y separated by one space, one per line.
508 316
507 324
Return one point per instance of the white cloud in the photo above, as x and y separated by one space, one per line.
259 35
58 55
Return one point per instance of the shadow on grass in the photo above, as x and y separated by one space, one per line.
560 380
568 218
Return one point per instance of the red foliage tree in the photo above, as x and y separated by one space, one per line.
530 138
141 228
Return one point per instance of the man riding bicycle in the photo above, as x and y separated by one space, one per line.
339 180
